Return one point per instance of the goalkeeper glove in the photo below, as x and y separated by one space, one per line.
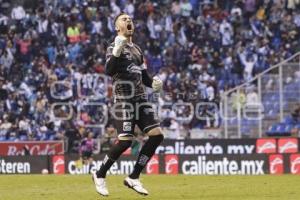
120 42
157 84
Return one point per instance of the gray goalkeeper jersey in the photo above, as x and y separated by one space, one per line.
128 71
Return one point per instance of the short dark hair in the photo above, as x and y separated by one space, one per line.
116 18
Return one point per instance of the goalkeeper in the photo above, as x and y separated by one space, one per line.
125 64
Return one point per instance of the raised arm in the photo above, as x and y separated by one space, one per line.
113 53
111 63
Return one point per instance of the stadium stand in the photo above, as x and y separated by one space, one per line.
199 48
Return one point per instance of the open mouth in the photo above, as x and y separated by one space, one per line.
129 27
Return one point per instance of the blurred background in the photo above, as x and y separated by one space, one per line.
239 58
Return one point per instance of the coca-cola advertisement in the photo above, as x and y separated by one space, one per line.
31 148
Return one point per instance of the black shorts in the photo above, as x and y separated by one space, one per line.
86 155
136 111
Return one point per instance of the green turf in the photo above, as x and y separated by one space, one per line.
161 187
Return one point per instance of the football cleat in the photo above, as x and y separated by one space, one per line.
100 184
136 185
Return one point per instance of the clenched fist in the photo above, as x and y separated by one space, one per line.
120 42
157 84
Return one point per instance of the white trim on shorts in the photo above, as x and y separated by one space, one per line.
126 135
150 126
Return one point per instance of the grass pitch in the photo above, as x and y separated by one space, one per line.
161 187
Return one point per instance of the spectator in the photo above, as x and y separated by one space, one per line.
5 128
18 13
295 115
227 33
73 33
129 8
176 8
87 147
175 128
186 8
239 100
252 97
6 60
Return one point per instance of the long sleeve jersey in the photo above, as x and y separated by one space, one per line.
128 71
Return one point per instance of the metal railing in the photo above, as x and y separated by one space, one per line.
251 108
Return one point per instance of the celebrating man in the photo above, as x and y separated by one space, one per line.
125 64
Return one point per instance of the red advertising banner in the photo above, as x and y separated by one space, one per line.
295 163
153 165
265 145
171 164
34 148
288 145
58 163
276 164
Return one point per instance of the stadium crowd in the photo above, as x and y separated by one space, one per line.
53 51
